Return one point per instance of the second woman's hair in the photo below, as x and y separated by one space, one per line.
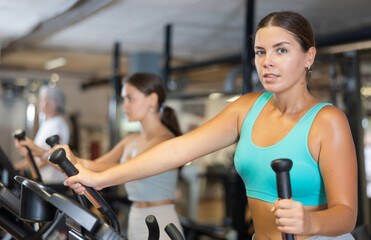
149 83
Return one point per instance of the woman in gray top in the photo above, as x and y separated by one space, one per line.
144 96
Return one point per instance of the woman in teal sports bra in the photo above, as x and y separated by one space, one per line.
286 121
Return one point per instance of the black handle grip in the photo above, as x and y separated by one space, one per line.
173 232
58 157
53 140
20 135
153 229
282 168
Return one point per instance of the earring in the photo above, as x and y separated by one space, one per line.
309 68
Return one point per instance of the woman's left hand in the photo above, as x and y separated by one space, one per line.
291 217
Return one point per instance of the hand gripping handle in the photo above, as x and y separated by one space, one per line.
52 141
58 157
282 168
21 135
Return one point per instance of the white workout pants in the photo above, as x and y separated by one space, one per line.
165 214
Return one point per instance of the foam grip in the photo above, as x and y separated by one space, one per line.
58 157
19 134
53 140
282 168
173 232
153 229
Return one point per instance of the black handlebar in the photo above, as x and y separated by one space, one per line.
282 168
153 229
59 157
21 135
173 232
53 140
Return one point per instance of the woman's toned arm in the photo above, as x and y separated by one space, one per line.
217 133
108 160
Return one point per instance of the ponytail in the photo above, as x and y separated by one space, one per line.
169 119
149 83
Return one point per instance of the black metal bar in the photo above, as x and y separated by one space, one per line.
115 99
247 66
116 79
229 59
344 37
167 54
94 83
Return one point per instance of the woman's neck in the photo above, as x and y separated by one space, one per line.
291 103
151 127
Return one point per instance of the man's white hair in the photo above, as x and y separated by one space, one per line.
55 95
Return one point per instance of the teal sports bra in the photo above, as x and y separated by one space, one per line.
253 162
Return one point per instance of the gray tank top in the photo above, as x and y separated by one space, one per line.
156 188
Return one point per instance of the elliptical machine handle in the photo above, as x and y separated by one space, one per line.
173 232
282 168
20 135
58 157
53 140
153 229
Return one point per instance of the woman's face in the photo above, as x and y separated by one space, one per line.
280 60
136 104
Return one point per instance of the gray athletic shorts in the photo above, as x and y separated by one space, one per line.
347 236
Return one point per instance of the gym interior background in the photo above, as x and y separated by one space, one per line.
200 47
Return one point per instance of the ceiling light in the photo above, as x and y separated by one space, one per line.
55 63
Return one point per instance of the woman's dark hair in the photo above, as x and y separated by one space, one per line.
149 83
296 24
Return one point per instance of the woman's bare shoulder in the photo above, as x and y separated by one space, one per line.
331 121
331 115
248 99
127 139
243 105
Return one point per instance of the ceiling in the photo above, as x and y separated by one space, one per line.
83 33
